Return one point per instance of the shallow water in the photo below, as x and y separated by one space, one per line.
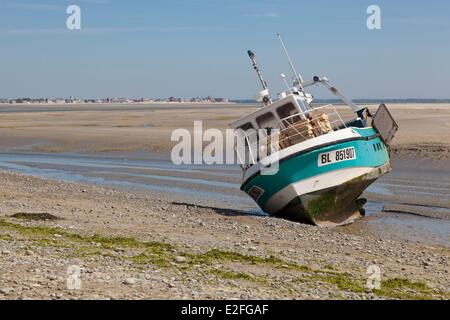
411 227
152 175
218 186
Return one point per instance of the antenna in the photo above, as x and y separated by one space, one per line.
297 75
265 93
283 78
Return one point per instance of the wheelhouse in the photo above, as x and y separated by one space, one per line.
284 123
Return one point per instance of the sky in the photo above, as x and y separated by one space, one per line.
188 48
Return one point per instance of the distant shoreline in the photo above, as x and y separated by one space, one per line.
112 103
232 102
366 101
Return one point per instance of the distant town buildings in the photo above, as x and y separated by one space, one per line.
116 100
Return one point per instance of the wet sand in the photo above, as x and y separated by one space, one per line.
107 172
407 193
105 128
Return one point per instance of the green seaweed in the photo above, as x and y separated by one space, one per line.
232 275
400 288
105 242
216 255
34 216
163 255
6 237
162 261
158 253
340 280
394 288
322 204
223 255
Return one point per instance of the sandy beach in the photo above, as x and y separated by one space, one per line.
92 186
425 129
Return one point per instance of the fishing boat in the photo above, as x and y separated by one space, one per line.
309 162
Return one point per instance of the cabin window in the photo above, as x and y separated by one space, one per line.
303 105
267 121
246 126
247 131
287 112
246 151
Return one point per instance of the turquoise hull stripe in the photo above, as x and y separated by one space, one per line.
365 132
369 153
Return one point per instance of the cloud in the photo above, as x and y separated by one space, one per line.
31 31
263 15
91 31
31 6
95 1
27 6
416 21
100 30
271 15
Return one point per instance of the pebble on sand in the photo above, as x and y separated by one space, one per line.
129 281
180 259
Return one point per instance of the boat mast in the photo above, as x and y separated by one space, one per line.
265 93
296 74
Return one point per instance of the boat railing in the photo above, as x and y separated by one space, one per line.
314 123
292 130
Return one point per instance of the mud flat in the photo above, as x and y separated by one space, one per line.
412 202
424 128
105 128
